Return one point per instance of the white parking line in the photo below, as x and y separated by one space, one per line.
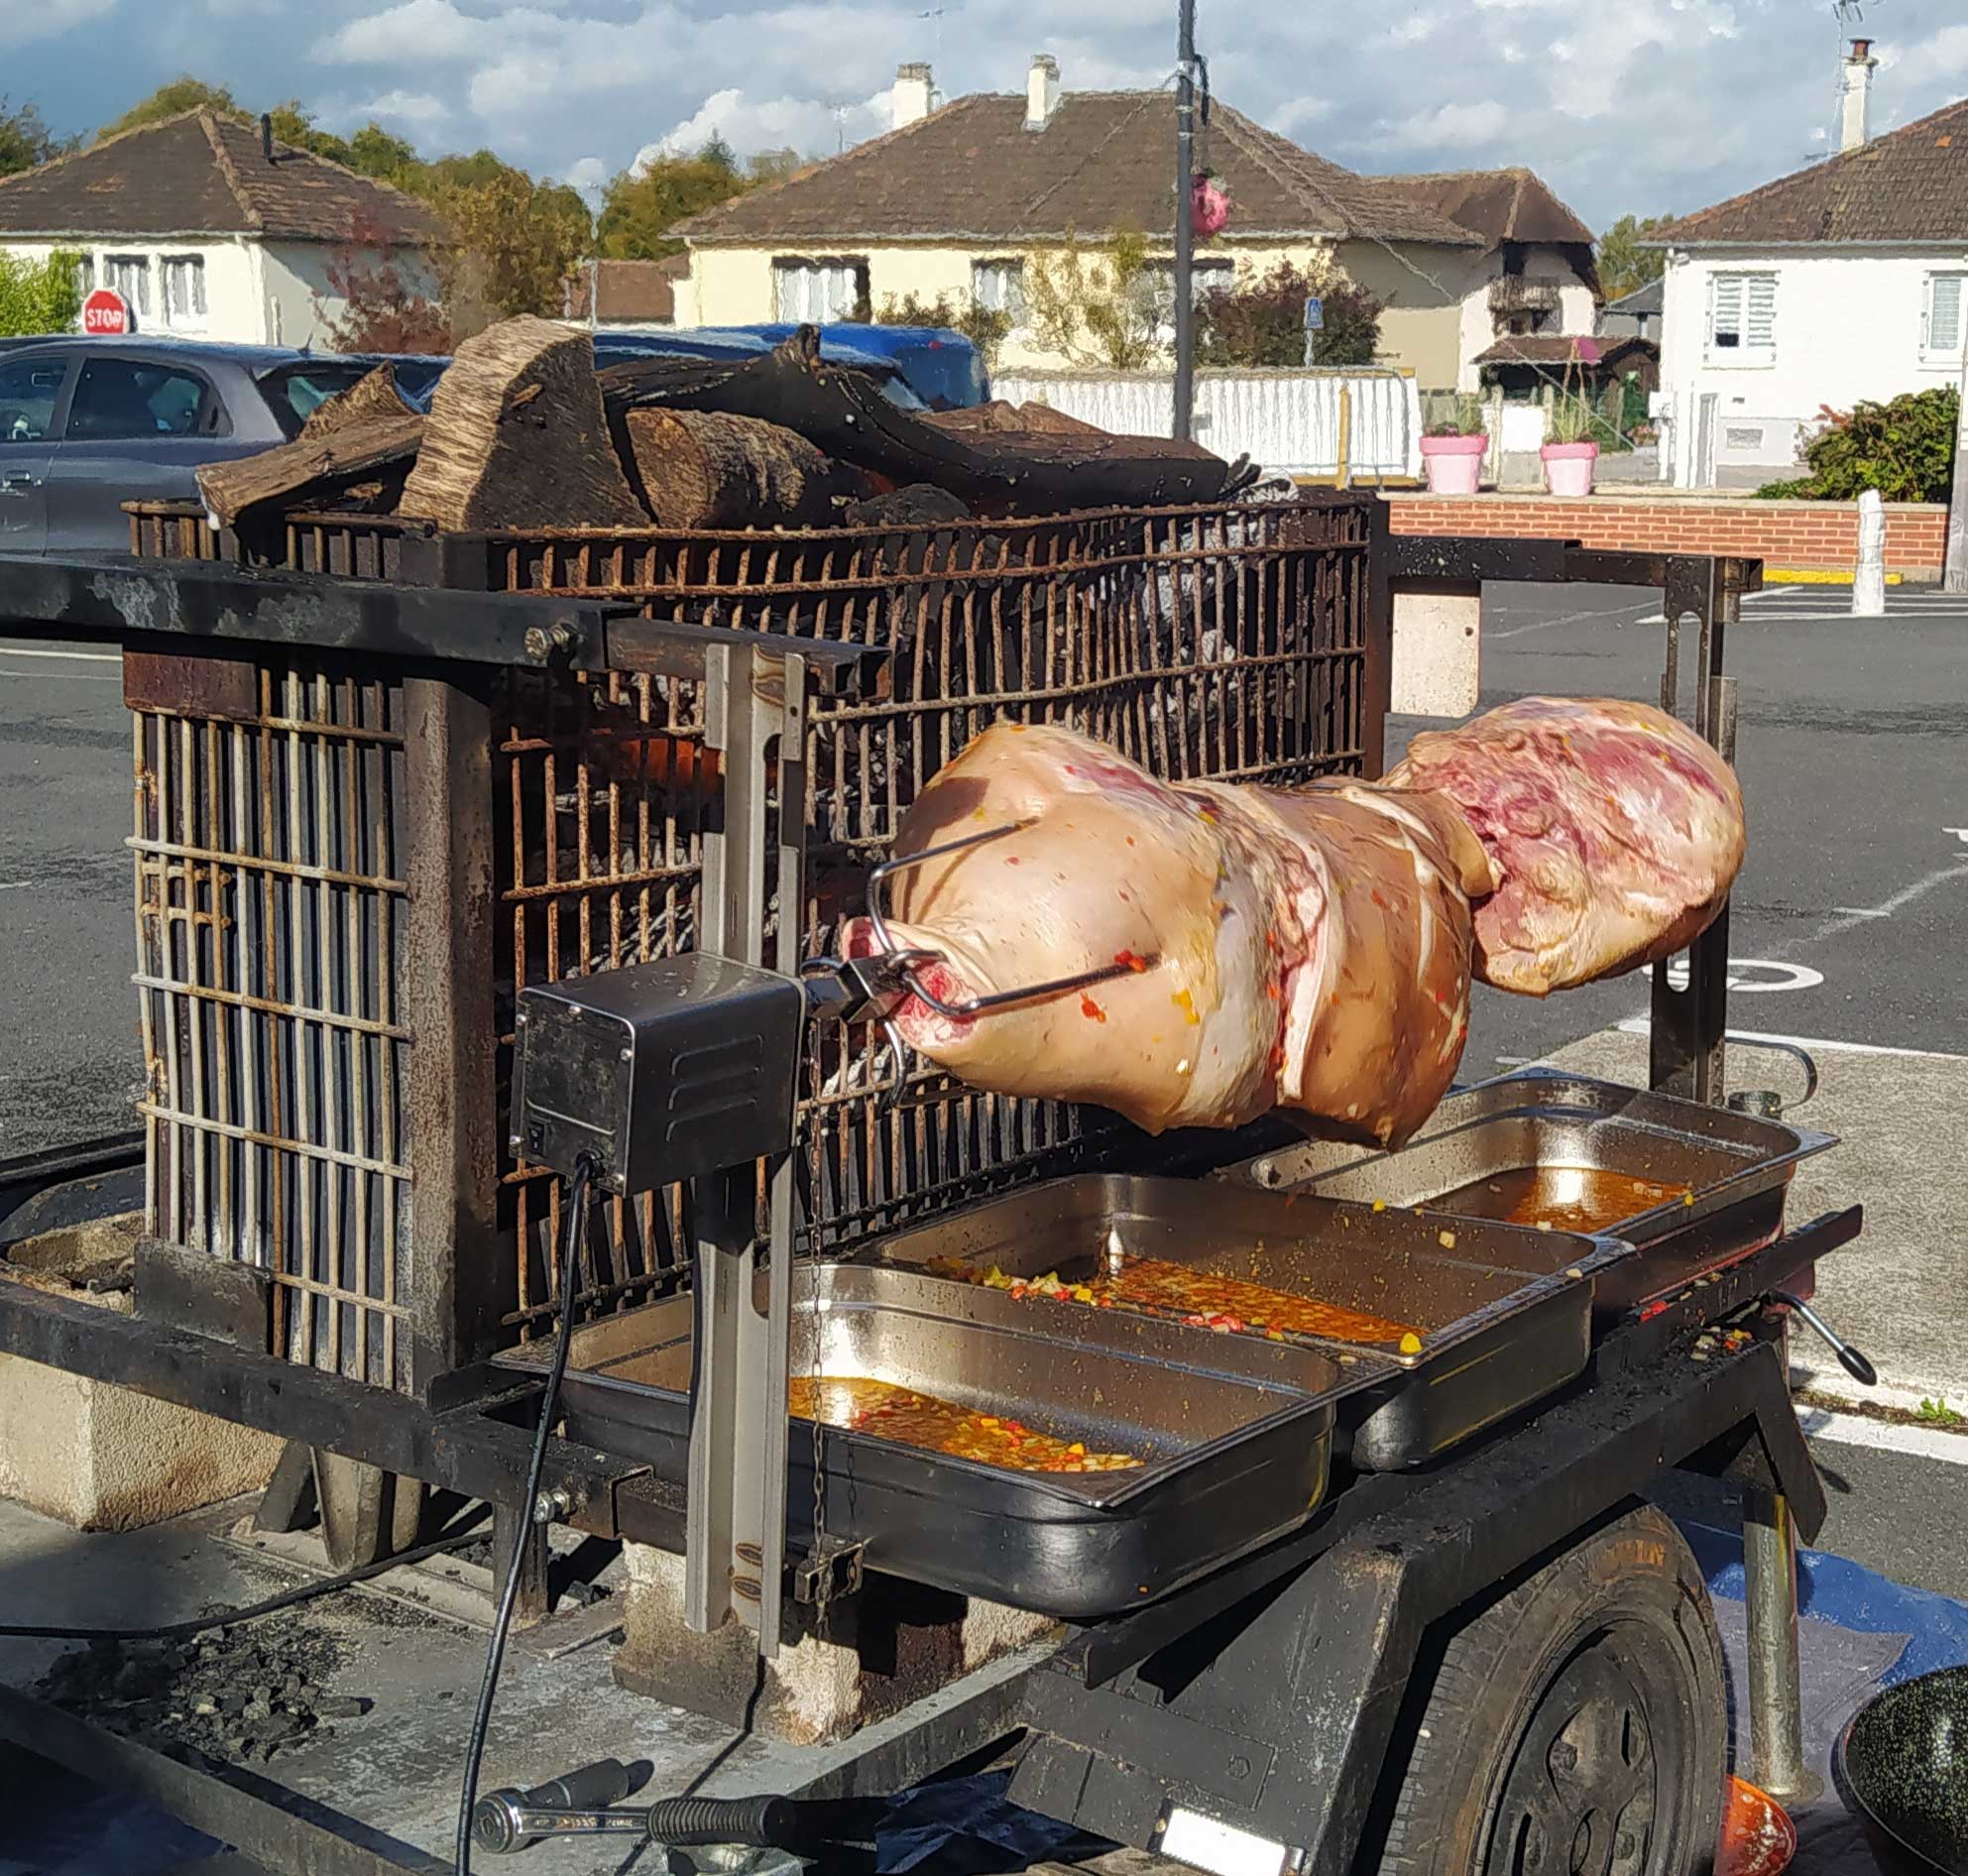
81 657
1823 1045
1884 1435
1573 619
62 677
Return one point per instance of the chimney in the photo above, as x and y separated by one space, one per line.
267 135
1855 94
915 96
1041 90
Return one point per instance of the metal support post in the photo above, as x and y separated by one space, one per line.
1185 233
1687 1050
1775 1699
735 1529
533 1602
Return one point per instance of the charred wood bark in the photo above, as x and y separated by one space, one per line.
374 394
843 414
705 469
331 470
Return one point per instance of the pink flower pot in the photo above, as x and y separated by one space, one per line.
1453 464
1569 467
1209 207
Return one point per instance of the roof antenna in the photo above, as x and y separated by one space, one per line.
267 135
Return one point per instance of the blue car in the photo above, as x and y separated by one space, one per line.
917 368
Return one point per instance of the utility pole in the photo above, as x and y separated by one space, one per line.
1185 236
1954 574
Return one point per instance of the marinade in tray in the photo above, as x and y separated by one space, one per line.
862 1405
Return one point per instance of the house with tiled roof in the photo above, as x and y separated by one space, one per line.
1844 281
951 201
211 228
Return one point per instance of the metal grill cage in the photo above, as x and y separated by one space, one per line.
270 932
1231 643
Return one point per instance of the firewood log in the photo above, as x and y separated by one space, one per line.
375 393
516 438
314 471
702 469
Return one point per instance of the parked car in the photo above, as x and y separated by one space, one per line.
942 368
87 425
918 369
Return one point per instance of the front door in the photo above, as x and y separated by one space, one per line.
30 397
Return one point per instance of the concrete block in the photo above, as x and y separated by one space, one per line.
101 1457
1437 662
893 1643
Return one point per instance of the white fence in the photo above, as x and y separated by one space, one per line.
1336 424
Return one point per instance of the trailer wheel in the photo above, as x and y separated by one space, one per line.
1577 1726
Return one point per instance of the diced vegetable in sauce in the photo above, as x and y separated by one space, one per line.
857 1404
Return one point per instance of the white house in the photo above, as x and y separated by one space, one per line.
1534 277
1842 282
211 229
953 202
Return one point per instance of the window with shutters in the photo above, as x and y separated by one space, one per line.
1742 319
184 290
1943 319
130 276
819 291
999 287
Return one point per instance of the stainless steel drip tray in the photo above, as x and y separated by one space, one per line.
1235 1448
1688 1184
1500 1314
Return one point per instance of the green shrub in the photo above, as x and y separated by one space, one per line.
1905 449
38 296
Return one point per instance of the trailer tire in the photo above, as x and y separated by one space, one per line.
1578 1724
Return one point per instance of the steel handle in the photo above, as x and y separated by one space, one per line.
1849 1359
592 1788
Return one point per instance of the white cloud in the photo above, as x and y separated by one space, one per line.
748 125
416 113
587 174
22 21
1456 126
415 30
1943 54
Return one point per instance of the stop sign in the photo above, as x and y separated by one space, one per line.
105 314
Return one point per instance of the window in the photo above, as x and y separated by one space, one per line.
184 288
118 397
999 287
1205 277
1742 318
28 390
85 275
1942 318
130 276
819 293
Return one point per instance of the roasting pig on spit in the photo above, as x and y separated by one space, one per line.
1307 948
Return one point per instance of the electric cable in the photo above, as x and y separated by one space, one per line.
502 1622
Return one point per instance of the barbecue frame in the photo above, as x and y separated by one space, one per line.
1372 1572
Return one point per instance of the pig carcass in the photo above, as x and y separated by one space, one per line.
1306 948
1613 830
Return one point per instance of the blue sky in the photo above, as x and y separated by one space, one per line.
1642 105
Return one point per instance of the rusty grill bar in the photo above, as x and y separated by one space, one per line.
269 907
1232 642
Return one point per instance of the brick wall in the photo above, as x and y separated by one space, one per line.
1799 535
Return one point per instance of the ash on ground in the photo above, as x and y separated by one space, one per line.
243 1695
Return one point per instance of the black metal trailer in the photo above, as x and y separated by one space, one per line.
1509 1620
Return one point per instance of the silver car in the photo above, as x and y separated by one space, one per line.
87 425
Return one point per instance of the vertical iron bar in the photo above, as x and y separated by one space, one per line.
1184 238
458 1291
1685 1047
